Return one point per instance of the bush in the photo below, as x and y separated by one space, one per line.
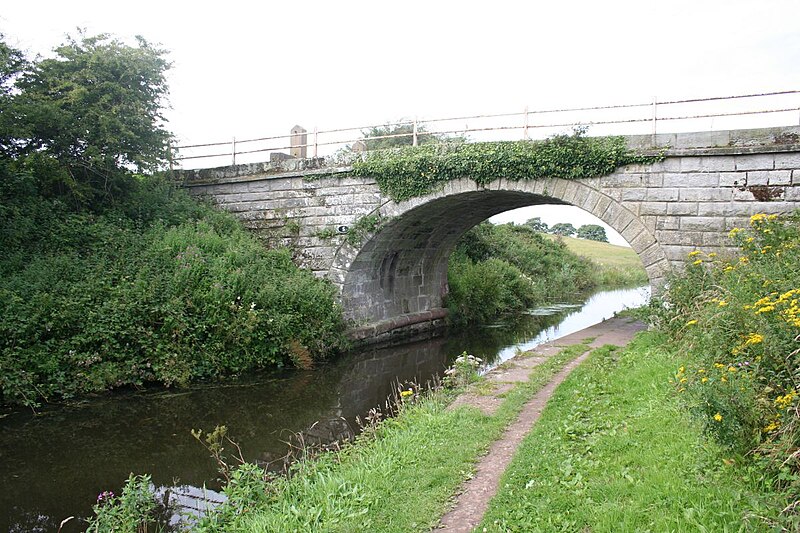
162 289
737 321
498 270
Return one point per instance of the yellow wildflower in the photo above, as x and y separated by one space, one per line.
758 217
704 380
692 322
718 417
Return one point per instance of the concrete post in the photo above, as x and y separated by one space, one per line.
299 140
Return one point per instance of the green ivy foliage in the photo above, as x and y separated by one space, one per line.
415 171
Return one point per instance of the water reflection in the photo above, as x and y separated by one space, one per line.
53 465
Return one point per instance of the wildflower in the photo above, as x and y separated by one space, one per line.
704 380
698 262
406 393
734 231
722 303
758 217
772 217
772 426
718 417
712 255
765 309
691 322
694 253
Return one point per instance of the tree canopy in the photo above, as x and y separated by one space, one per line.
565 229
536 224
82 120
402 134
593 232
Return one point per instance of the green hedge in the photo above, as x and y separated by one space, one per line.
160 289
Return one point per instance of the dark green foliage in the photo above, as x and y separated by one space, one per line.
381 137
593 232
536 224
565 229
163 290
408 172
497 270
78 122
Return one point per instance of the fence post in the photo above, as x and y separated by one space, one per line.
414 134
525 132
655 104
233 151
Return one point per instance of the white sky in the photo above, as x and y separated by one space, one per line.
248 69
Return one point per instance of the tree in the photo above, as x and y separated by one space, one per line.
404 132
536 224
84 119
593 232
565 229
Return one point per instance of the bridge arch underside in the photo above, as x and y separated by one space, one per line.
398 278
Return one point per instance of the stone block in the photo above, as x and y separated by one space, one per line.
787 160
651 255
677 254
692 179
702 139
755 162
732 179
726 209
709 194
795 177
634 194
702 223
758 177
737 222
653 208
632 231
743 195
780 177
649 222
658 270
682 208
715 238
667 223
642 241
685 238
661 195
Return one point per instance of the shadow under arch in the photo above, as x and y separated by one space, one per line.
396 279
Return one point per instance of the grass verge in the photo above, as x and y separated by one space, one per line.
618 265
399 477
613 451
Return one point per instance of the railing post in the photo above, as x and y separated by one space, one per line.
655 105
316 141
525 131
233 151
414 134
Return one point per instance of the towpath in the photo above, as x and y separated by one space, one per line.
473 499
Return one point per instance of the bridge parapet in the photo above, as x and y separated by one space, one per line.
707 184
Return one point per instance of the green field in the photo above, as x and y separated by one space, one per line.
620 264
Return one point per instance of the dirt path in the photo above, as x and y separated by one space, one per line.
475 494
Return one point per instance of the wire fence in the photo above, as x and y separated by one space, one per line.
777 108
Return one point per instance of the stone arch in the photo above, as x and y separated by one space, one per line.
398 276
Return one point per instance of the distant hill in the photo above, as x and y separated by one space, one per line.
611 256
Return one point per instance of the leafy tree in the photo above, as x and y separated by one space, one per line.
565 229
82 120
536 224
593 232
379 137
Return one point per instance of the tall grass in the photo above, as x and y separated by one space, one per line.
736 322
158 289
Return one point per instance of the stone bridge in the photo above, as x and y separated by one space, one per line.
395 278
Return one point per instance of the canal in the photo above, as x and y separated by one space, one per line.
54 464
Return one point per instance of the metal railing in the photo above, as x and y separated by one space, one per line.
621 119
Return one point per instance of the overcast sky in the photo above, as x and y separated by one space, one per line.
256 69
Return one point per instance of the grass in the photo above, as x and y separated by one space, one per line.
620 265
613 451
399 478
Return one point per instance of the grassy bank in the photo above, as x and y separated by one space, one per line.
618 265
155 288
614 451
506 269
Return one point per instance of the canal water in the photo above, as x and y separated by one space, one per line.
54 464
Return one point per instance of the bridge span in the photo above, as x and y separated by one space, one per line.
395 278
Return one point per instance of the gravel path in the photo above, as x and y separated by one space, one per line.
475 494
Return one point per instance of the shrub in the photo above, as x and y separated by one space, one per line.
163 289
737 321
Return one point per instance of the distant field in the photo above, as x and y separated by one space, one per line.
618 259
